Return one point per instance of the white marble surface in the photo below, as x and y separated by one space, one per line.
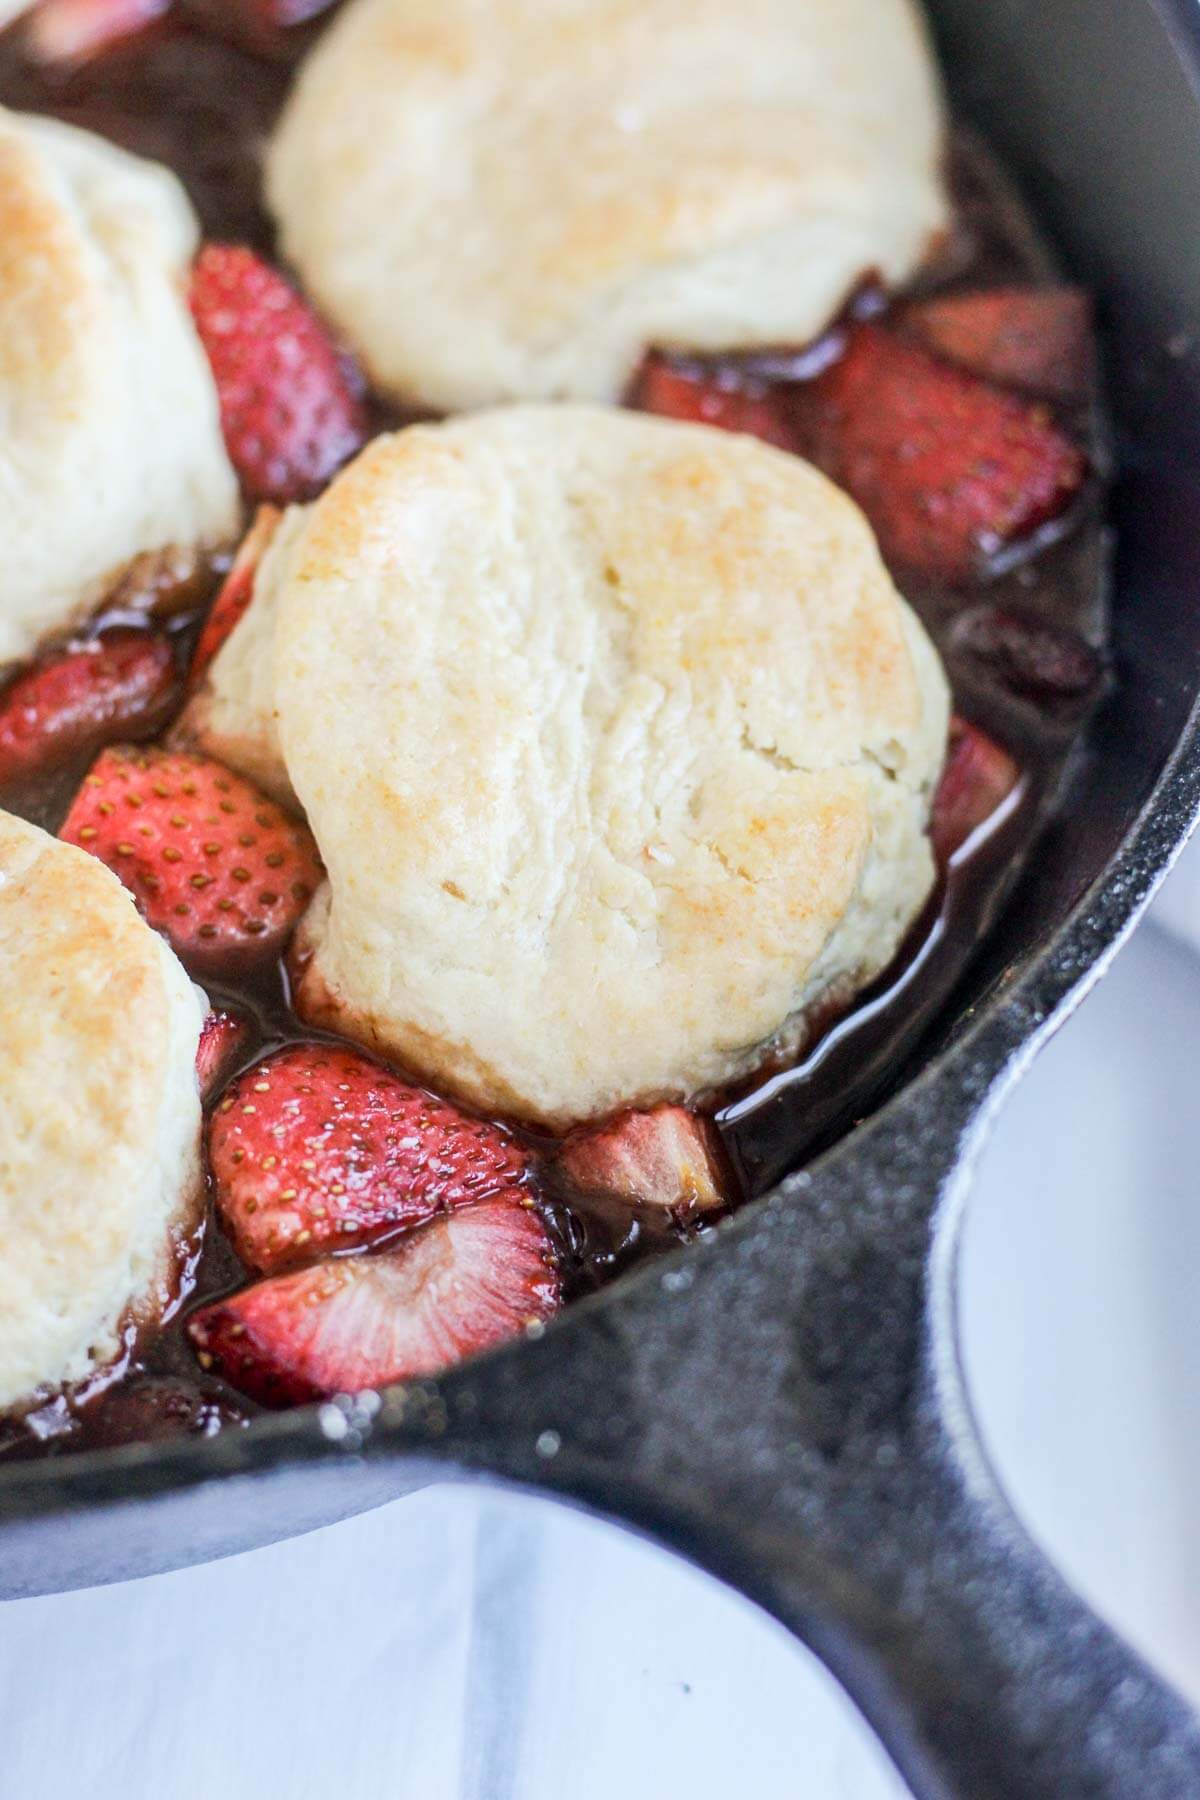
459 1646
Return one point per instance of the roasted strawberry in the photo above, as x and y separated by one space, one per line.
66 33
122 683
237 590
462 1284
1039 339
223 1034
1027 656
290 410
698 397
666 1158
151 1410
211 862
977 779
259 25
256 25
947 468
317 1148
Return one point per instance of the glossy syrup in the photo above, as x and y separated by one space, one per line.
205 107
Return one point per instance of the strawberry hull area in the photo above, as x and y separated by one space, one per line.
783 1403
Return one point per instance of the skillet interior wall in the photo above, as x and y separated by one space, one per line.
1114 177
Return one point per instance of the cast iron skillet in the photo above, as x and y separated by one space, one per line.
785 1404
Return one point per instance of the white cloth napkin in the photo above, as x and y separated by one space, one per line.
458 1645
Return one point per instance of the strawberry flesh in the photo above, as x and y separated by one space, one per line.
222 1035
122 682
291 412
699 397
666 1158
237 590
317 1148
1040 339
67 33
977 778
948 469
464 1283
221 870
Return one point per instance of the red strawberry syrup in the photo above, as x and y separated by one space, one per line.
204 106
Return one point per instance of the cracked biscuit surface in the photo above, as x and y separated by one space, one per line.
617 741
511 199
111 443
99 1113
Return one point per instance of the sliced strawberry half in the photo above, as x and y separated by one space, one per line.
317 1148
667 1159
223 1034
466 1282
978 777
1040 339
66 33
237 590
291 412
947 468
221 870
698 397
124 682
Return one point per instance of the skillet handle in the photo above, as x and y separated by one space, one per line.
785 1407
983 1674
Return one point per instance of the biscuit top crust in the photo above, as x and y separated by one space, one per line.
99 1111
511 199
616 739
111 443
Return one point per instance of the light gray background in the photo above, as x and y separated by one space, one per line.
459 1646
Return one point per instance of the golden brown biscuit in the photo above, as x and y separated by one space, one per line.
512 200
616 739
99 1113
111 442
